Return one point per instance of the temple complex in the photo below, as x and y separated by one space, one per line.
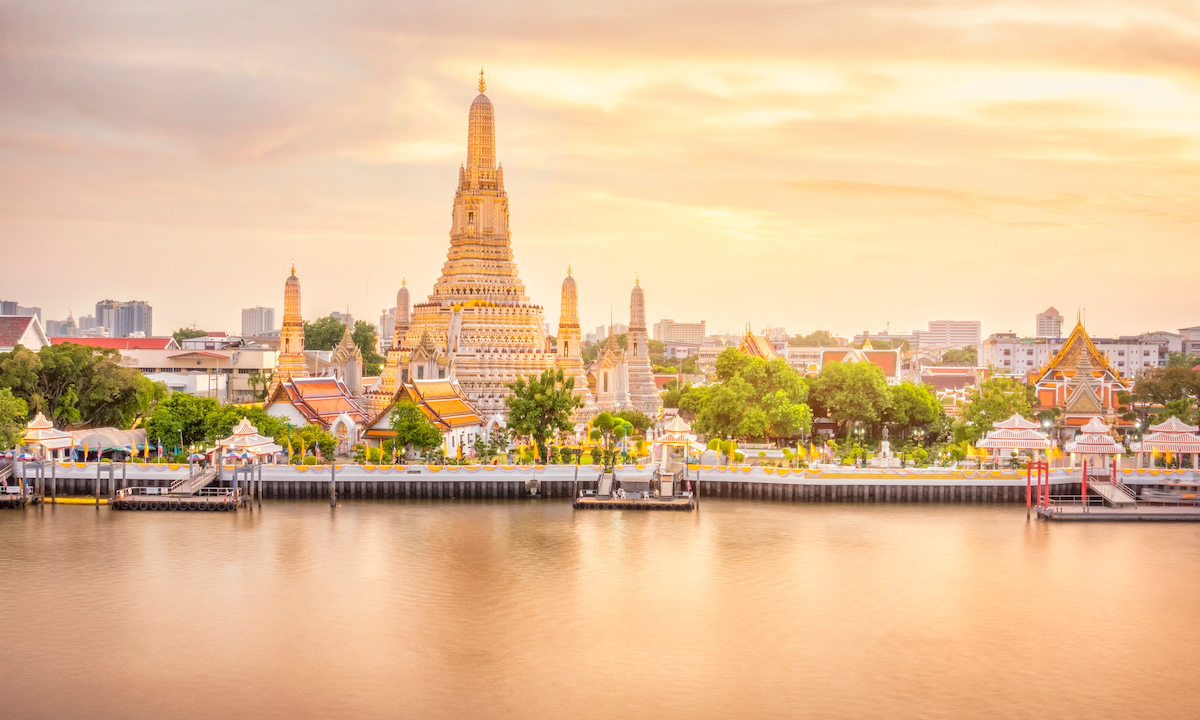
291 362
569 355
1079 380
624 379
478 327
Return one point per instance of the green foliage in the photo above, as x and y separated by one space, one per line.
961 357
1177 358
1159 387
186 334
14 413
178 414
259 383
672 394
755 399
98 390
413 429
366 338
910 404
304 438
639 420
1181 408
851 393
324 334
610 430
541 406
993 400
819 338
220 421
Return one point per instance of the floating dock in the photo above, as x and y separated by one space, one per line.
1143 513
614 503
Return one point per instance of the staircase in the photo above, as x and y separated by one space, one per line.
193 482
1115 495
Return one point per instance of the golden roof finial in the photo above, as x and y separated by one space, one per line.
293 267
568 268
403 281
637 279
482 83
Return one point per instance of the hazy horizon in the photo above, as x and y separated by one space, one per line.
820 165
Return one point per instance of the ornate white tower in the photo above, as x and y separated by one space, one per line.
642 392
570 347
291 337
478 327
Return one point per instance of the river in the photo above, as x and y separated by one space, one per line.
527 609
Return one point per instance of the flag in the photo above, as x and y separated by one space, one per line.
160 450
1169 457
460 451
289 448
800 454
393 452
85 450
812 450
146 451
317 449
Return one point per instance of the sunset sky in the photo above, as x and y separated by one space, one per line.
839 164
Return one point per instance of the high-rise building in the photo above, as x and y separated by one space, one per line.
106 316
8 307
669 331
257 321
133 318
88 322
30 312
344 318
1049 324
387 327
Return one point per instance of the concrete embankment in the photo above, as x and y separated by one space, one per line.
355 482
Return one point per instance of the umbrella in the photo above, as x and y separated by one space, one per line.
195 456
27 456
6 455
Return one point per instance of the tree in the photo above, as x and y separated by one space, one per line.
818 338
1157 388
854 392
911 404
413 429
960 357
259 383
996 399
541 406
609 430
366 338
640 421
220 421
97 387
181 418
186 334
14 412
1177 358
324 334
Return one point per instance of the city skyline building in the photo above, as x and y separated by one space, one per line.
257 320
669 331
1049 324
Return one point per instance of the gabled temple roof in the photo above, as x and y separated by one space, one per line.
319 399
757 346
442 401
885 360
1066 360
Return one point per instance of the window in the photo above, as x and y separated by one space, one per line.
1008 363
605 382
420 373
1007 352
441 374
404 375
470 218
1029 351
1121 353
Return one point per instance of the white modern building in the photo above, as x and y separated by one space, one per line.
1049 324
257 321
950 334
669 331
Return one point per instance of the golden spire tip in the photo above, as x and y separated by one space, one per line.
293 267
482 83
568 268
403 281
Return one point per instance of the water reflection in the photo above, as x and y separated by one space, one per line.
511 609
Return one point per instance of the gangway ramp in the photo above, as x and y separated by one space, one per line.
192 484
1114 495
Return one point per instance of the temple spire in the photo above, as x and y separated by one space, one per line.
482 82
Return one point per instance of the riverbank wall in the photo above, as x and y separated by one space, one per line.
359 482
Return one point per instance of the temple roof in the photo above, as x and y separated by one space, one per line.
442 401
885 360
1016 422
1067 359
757 346
319 399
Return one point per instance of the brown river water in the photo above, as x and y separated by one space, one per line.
530 610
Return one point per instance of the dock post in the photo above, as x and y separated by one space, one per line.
112 474
333 483
53 480
98 469
124 477
697 489
260 487
1083 486
1028 486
